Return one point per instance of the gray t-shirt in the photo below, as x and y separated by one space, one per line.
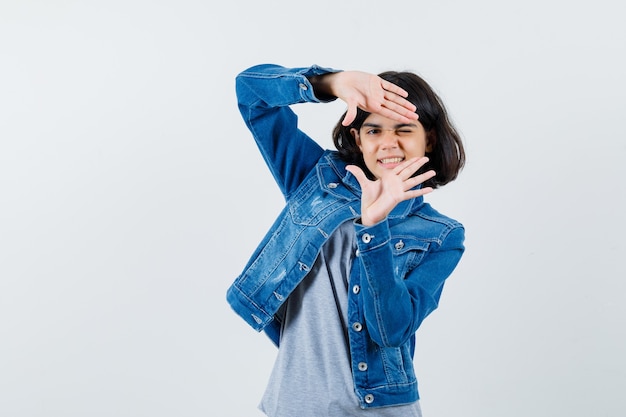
312 376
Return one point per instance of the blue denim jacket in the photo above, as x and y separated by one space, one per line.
401 264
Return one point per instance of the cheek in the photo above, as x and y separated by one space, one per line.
418 147
370 160
367 147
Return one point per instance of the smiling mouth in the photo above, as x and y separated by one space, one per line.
396 160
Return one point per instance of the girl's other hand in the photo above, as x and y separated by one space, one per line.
380 197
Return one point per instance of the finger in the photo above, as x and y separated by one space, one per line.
399 115
410 193
403 111
394 100
350 115
389 86
418 193
410 166
419 179
401 106
358 174
396 96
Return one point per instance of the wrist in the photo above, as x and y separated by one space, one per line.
322 86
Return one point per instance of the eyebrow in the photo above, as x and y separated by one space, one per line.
399 125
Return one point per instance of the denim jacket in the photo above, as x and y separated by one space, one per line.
400 265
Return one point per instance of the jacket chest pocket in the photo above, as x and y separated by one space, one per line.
310 205
408 253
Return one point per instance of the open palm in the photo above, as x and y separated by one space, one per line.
379 197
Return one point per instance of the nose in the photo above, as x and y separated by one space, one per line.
389 139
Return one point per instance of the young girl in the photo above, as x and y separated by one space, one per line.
356 260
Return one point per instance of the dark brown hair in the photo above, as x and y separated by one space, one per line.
447 156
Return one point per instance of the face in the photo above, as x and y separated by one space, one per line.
385 143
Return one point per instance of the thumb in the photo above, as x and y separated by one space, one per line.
350 115
358 174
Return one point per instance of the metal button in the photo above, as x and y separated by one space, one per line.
366 238
399 245
356 289
303 86
362 366
369 398
332 185
357 326
357 253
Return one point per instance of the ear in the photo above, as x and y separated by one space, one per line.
431 140
357 138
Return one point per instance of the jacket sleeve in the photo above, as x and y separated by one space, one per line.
395 306
264 94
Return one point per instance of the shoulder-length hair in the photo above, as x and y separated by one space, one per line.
447 155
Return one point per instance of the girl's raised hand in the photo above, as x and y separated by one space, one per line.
370 93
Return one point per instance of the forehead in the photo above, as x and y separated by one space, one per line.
376 120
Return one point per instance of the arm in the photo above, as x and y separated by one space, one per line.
395 306
264 94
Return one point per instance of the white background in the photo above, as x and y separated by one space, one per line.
131 195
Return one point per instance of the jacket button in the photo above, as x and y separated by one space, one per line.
356 289
362 366
357 326
303 86
332 185
369 398
366 238
357 253
399 245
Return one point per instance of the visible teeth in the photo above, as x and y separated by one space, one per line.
390 160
